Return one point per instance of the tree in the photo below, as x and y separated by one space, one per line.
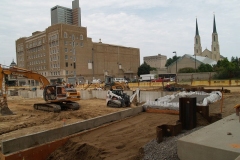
171 60
186 70
145 69
205 68
226 69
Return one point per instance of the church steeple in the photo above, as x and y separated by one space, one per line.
214 25
197 42
197 33
215 43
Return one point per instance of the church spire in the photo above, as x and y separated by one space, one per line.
214 25
197 42
197 33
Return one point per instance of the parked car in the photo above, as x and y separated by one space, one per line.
172 79
120 80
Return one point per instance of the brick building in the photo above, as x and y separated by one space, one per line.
64 51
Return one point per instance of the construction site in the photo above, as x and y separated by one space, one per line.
140 121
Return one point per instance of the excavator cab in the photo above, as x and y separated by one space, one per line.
108 83
54 92
111 85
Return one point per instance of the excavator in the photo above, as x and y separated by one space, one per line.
57 96
111 85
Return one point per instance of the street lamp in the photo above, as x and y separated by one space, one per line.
176 66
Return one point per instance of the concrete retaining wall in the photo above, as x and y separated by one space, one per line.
86 94
100 94
20 143
152 95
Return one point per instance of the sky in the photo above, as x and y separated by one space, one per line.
153 26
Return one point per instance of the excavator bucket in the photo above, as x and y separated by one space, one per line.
4 110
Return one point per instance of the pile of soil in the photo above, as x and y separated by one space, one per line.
75 151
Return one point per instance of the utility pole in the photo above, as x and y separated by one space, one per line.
176 66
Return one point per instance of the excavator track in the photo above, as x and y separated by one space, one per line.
56 107
51 107
114 103
70 105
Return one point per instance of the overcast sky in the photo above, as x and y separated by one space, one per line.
153 26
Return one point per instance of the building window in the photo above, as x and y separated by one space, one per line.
81 44
66 50
65 35
65 42
214 38
66 72
73 37
196 41
214 49
66 57
74 65
66 64
81 37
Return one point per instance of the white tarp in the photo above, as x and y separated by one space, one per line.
172 101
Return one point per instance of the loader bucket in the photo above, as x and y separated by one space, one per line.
4 110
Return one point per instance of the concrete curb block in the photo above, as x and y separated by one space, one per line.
212 141
21 143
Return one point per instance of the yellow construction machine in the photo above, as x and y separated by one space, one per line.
57 96
110 84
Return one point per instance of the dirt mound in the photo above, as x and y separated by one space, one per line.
75 151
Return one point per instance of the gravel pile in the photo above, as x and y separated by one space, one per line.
167 149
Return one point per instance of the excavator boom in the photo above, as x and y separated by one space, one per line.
56 96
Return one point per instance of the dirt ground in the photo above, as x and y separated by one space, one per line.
120 140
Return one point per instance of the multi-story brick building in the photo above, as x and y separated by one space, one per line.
64 51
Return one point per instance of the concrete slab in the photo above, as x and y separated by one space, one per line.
219 140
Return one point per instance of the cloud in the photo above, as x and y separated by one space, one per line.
152 26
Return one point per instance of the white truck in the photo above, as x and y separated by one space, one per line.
146 77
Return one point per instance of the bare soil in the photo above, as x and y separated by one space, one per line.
119 140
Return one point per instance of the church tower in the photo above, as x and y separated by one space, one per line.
215 44
197 42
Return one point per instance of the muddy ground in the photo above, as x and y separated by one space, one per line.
120 140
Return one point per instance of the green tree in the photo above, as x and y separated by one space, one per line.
205 68
144 69
226 69
186 70
171 60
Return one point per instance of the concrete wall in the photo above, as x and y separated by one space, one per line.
99 94
86 94
20 143
195 76
152 95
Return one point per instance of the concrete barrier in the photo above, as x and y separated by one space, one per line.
219 140
99 94
86 94
21 143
